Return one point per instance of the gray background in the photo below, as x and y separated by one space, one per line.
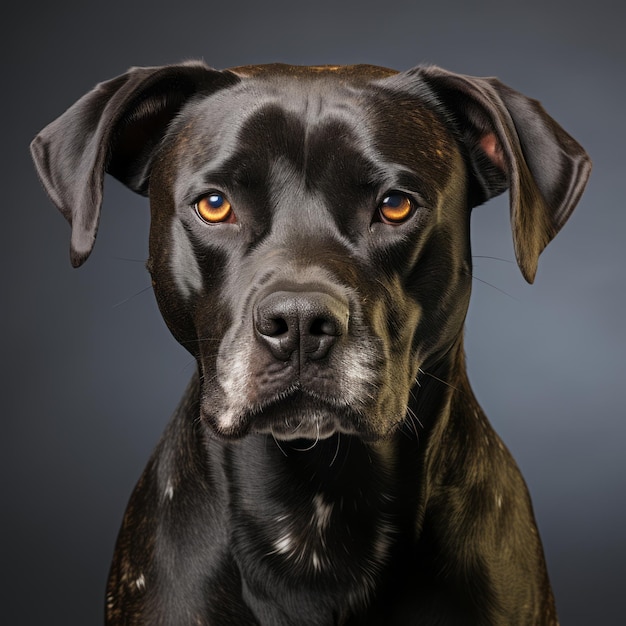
91 374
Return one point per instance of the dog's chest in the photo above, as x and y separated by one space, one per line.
308 540
304 528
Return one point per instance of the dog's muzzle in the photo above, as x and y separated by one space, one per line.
297 366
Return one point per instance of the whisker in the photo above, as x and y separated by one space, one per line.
494 258
413 418
148 288
276 442
438 379
317 439
413 414
337 450
189 364
298 425
484 282
209 380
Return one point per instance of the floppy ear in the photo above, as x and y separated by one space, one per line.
513 143
114 128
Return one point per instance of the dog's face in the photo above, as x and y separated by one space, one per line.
308 238
310 241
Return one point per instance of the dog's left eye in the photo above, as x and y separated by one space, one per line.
395 208
214 208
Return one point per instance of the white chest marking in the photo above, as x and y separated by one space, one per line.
284 545
321 513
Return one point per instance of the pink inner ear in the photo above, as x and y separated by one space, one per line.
491 147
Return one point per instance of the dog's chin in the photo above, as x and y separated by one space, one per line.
297 415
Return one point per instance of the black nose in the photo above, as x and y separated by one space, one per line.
307 323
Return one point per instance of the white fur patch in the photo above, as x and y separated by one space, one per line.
234 379
169 490
315 560
284 545
321 513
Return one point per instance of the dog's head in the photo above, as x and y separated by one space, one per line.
310 226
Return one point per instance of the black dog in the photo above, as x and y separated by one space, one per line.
309 246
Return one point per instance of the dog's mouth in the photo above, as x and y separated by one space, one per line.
298 414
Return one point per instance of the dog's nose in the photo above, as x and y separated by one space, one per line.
308 323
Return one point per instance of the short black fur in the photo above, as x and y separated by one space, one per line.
328 464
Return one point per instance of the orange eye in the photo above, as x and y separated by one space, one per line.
215 209
395 208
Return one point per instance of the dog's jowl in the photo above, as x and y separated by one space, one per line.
309 245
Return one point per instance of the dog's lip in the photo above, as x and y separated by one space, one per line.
309 429
303 414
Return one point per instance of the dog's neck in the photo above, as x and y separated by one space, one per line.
300 512
332 510
276 477
334 513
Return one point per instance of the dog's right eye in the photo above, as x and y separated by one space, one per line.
395 208
214 208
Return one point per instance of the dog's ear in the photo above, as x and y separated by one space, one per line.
114 128
513 143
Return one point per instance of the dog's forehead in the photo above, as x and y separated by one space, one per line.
312 115
364 90
308 91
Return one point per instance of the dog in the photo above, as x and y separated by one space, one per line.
309 246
